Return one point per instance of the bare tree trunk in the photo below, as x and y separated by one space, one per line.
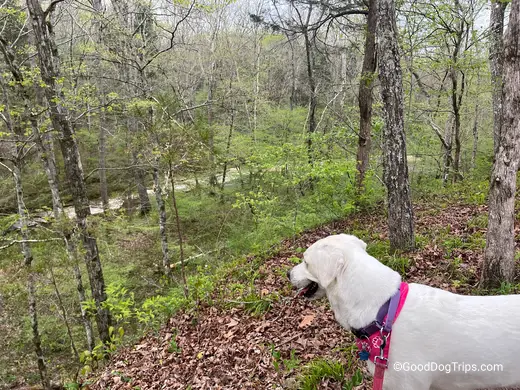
179 231
45 146
395 167
230 135
499 255
28 258
97 5
345 72
212 85
46 152
475 129
73 258
292 98
447 157
140 180
36 333
258 51
496 63
61 307
365 96
456 95
49 66
313 99
162 222
103 186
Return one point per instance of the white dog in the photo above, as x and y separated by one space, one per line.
440 340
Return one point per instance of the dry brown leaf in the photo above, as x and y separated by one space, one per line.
232 323
307 320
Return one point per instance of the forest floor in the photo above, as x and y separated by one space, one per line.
275 341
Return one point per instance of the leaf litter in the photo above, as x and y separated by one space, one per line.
222 347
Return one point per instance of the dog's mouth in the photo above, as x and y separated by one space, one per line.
308 291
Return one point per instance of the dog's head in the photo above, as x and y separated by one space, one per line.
323 262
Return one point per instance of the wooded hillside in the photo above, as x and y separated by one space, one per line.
147 148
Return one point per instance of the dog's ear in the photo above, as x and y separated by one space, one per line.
349 238
362 243
325 264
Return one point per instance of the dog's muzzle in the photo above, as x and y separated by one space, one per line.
309 290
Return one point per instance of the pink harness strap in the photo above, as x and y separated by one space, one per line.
373 343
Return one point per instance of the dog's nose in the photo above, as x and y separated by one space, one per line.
289 274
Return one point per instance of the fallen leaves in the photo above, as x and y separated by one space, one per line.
306 320
222 348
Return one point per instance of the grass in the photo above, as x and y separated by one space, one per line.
313 373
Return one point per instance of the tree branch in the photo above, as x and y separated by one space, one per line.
27 241
51 8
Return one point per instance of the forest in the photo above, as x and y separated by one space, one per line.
164 162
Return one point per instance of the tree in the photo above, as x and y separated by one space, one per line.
442 56
499 255
496 63
365 95
58 112
304 20
29 92
19 152
395 167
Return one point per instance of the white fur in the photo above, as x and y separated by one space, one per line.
434 326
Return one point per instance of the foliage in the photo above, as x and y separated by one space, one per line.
317 370
279 362
91 359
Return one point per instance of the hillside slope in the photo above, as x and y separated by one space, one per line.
274 341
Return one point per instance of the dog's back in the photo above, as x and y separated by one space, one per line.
475 338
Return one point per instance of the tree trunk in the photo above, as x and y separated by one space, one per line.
35 331
46 152
103 187
28 258
64 316
212 85
228 147
395 167
97 5
18 134
230 135
447 157
292 98
456 96
179 231
45 146
49 67
313 99
73 258
162 222
496 63
475 133
140 180
365 96
499 255
258 51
